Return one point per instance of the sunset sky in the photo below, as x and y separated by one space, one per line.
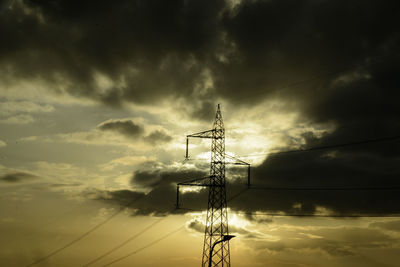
97 97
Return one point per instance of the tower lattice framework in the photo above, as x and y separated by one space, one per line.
217 215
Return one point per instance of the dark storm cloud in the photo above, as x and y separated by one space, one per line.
157 137
155 49
17 177
130 129
154 46
333 62
125 127
342 169
298 170
281 42
162 196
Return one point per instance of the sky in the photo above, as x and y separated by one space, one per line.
97 97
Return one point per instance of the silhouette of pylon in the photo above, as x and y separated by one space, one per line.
217 215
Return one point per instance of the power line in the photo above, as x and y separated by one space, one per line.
302 215
377 140
146 246
79 238
136 235
322 215
74 241
361 188
369 141
142 248
276 214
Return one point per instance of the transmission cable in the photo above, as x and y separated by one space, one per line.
356 188
303 215
377 140
154 242
79 238
136 235
276 214
146 246
321 215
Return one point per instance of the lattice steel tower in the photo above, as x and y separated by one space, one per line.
217 215
216 229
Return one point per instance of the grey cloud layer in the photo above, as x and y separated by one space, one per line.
153 49
162 197
331 61
130 129
331 70
17 177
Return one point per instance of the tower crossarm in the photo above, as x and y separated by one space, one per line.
240 162
236 161
204 134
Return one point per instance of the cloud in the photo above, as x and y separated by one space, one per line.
309 170
2 144
153 191
157 137
20 112
17 177
342 73
13 107
198 225
130 129
321 241
18 119
126 161
391 226
357 167
155 50
124 127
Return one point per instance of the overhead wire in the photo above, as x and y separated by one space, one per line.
309 215
278 214
136 235
76 240
154 242
85 234
321 215
355 143
355 188
145 247
368 141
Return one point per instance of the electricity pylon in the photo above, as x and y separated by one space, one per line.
217 215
